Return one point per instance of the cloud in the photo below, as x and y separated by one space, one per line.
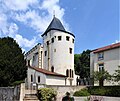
35 14
19 5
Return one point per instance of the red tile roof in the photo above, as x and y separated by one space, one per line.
116 45
46 72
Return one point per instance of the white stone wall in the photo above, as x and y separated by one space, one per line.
58 53
111 62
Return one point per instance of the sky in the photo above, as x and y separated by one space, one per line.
95 23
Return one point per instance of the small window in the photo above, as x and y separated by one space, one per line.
100 56
72 40
28 62
52 69
38 79
59 38
70 50
45 53
70 73
54 50
101 67
52 40
67 38
47 42
31 78
67 73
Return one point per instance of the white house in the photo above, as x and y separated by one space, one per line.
107 58
55 63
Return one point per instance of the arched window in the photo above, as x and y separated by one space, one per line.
52 69
67 72
70 73
31 78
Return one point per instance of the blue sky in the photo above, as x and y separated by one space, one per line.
95 23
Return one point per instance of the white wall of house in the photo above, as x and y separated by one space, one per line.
111 62
58 52
35 74
35 56
55 80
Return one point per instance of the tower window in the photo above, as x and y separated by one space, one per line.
52 69
72 40
38 79
28 62
52 40
45 53
67 73
59 38
47 42
31 78
70 50
67 38
70 73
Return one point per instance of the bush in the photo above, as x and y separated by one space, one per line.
82 92
17 82
46 94
105 91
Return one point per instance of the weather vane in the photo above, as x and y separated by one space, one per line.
53 13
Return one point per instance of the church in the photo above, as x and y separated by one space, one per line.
52 62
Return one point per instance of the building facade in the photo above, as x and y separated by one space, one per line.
56 56
107 58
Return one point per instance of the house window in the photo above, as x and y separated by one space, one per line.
101 67
100 56
67 38
52 69
67 73
31 78
45 53
59 38
28 62
70 50
72 40
52 40
38 79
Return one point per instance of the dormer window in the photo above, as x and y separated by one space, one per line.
67 38
47 42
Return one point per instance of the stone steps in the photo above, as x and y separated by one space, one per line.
30 97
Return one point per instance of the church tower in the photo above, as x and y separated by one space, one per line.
58 49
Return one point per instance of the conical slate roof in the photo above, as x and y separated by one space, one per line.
55 25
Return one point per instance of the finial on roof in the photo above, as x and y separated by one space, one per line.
53 13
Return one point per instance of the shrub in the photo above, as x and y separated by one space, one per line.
46 94
82 92
105 91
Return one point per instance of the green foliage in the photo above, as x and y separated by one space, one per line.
12 63
101 76
17 82
46 94
116 75
105 91
82 64
82 92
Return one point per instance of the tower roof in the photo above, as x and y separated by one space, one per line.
56 25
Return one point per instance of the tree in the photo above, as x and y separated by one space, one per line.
12 63
82 64
100 76
116 75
